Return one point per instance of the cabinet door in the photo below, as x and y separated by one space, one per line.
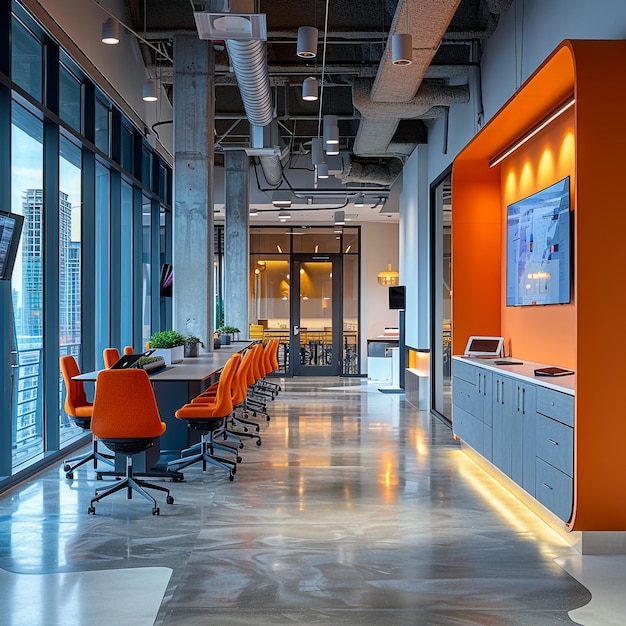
502 422
484 384
522 457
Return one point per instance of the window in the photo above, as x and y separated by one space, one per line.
27 286
103 117
26 60
70 98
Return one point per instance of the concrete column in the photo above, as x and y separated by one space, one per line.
194 115
236 240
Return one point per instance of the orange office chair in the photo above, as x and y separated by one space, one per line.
207 418
110 356
126 419
80 411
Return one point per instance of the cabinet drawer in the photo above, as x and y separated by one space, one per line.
555 444
465 395
554 490
557 405
465 370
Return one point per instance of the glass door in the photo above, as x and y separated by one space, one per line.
441 355
316 330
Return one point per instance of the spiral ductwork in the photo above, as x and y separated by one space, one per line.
249 62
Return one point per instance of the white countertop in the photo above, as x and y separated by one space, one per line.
526 371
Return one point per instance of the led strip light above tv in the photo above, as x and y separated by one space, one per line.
564 106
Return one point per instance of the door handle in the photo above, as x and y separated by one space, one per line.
296 331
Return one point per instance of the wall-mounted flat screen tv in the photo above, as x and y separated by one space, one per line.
538 255
10 232
397 297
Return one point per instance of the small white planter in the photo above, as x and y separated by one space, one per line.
171 355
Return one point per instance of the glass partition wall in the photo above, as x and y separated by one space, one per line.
80 172
304 291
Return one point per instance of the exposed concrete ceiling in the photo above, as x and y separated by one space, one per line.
383 110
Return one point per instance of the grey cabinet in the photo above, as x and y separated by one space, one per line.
554 484
513 426
524 428
472 406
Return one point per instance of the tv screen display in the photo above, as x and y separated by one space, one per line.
396 297
10 232
538 263
167 275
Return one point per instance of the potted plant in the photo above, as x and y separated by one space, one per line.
227 334
170 344
150 363
192 346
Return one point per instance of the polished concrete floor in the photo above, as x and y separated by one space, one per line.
357 509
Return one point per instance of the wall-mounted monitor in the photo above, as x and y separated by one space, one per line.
397 297
539 251
10 233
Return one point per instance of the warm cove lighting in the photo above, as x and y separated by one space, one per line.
533 131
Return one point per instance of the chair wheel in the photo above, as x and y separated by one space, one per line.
257 429
156 510
268 418
241 445
66 468
258 442
169 500
239 459
91 510
231 478
69 475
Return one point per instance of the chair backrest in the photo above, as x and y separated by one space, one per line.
124 406
129 350
76 403
110 356
274 355
255 370
224 395
267 359
240 382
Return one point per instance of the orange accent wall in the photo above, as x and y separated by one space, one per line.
585 335
540 333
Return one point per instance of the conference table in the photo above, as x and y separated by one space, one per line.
177 384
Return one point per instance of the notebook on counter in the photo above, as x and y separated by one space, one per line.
552 371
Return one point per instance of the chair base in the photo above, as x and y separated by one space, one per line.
206 455
74 463
131 484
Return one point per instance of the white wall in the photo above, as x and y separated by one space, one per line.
379 246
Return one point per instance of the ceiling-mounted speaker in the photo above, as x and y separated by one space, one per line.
307 42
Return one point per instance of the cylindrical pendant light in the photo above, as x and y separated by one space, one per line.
401 49
111 32
309 89
317 150
331 134
150 90
331 130
322 170
332 148
307 42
